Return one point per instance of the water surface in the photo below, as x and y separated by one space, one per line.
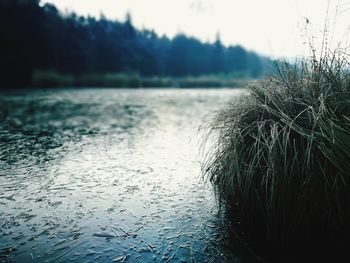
101 175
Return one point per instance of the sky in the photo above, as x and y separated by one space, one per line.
277 28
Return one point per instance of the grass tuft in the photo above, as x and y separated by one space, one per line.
280 164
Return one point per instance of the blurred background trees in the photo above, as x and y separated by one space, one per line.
39 37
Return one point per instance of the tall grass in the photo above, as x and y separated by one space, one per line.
280 164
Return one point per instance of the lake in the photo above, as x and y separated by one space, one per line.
101 175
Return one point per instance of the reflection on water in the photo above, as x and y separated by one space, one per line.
105 175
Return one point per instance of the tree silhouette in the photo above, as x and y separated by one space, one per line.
34 37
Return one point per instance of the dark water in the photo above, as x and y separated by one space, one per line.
106 175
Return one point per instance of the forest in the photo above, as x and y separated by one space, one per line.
37 37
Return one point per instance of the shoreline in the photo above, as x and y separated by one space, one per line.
52 79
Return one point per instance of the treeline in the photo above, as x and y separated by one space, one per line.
38 37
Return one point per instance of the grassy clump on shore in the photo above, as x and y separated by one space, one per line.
281 163
47 78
